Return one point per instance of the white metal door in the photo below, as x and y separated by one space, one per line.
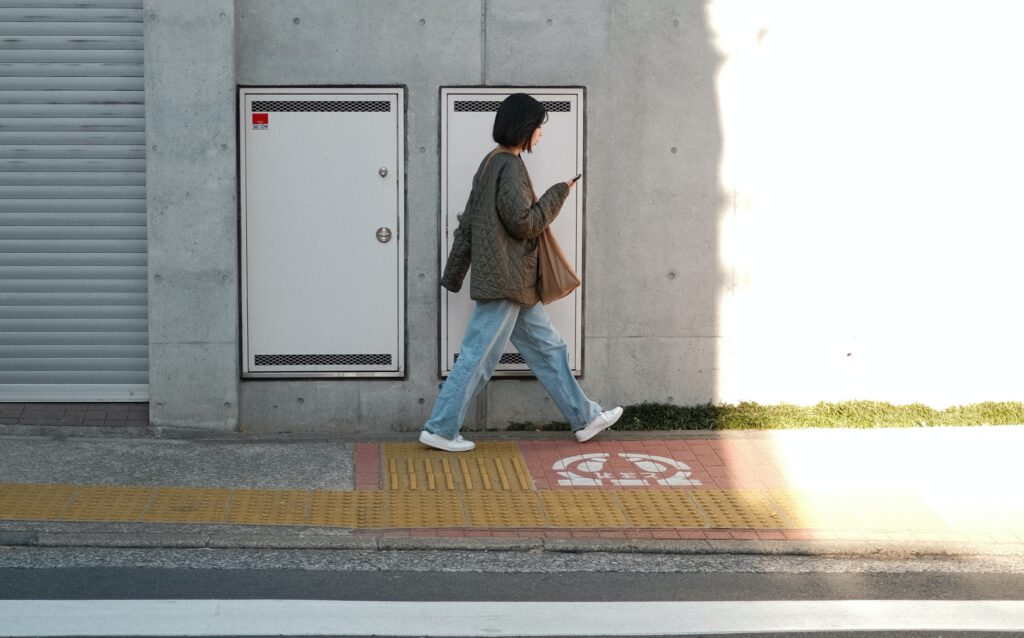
322 196
467 118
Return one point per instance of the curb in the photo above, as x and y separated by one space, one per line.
293 538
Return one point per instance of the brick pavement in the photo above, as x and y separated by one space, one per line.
75 414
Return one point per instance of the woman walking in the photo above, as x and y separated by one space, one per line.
498 233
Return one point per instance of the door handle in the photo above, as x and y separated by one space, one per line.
383 234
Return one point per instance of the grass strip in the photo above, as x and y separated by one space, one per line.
846 414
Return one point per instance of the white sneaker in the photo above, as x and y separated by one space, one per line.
458 444
603 421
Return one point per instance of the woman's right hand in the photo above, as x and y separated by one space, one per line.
570 184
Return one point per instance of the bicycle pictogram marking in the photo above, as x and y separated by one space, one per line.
625 469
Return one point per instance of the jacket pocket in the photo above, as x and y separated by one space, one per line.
530 266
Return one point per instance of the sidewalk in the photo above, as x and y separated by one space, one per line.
916 491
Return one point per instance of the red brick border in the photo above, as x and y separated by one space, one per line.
367 467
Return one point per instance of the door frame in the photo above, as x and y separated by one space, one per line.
400 93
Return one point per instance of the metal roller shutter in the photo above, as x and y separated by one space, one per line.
73 307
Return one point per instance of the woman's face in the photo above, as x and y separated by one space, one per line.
537 134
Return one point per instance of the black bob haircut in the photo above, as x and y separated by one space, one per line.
518 116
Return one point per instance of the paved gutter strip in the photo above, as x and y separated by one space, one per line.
299 539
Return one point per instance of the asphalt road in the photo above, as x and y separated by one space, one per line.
621 583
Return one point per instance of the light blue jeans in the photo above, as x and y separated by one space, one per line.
490 327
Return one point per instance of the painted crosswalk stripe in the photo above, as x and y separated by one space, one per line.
342 618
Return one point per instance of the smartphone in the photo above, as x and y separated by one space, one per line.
576 178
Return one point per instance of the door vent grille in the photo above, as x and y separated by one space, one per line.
507 358
306 106
490 106
323 359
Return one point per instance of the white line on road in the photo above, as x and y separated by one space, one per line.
344 618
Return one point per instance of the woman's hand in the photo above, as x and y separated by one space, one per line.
570 184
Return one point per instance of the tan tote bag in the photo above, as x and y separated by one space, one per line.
555 275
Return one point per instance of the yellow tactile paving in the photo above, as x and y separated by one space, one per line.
661 508
492 466
522 509
33 502
744 509
347 509
498 507
421 509
107 503
818 510
583 509
188 505
268 507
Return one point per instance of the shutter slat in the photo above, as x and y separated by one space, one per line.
77 125
75 13
74 4
79 272
91 377
76 351
55 365
74 325
69 260
102 151
72 138
71 56
71 42
40 288
68 232
73 192
73 312
51 29
64 83
55 249
56 207
57 338
72 97
72 299
76 218
73 166
82 111
69 70
72 179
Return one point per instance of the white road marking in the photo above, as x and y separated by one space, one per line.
318 617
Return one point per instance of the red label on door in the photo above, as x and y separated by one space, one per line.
260 121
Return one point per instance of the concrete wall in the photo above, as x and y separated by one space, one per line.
766 219
191 191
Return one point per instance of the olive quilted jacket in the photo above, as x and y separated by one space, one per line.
498 232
